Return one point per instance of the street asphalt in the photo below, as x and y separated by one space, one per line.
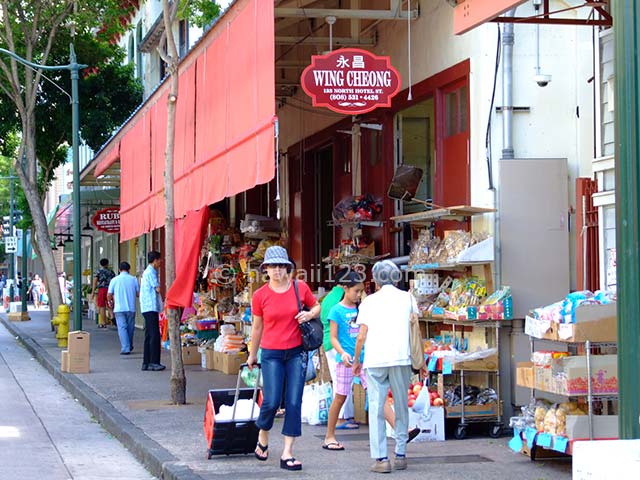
134 406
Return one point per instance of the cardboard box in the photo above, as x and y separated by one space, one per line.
543 379
79 343
431 424
604 426
79 363
229 363
190 355
488 410
488 364
525 374
570 375
597 323
539 328
207 359
64 360
360 413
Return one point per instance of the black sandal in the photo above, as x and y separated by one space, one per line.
264 450
289 464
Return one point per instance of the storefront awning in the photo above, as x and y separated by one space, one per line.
224 140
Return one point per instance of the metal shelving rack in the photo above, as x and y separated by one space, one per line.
591 397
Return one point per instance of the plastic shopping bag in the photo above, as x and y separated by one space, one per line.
423 402
316 401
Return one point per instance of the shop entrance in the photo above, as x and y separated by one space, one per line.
311 187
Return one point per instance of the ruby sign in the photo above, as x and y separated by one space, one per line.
107 220
350 81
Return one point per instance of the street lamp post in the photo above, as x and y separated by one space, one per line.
74 67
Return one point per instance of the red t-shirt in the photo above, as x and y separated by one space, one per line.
278 312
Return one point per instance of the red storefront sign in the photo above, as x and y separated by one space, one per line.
350 81
107 220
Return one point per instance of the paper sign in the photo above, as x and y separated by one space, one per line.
516 442
544 440
530 435
560 444
565 330
447 367
433 361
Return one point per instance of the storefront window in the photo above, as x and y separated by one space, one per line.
416 147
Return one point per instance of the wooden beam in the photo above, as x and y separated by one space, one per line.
343 13
337 41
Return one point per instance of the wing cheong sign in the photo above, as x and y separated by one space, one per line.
350 81
469 14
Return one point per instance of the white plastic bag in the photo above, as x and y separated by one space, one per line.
316 401
423 402
243 411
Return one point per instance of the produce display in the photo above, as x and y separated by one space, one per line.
355 209
414 392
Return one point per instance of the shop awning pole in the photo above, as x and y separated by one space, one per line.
627 32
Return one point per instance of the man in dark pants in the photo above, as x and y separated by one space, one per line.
151 306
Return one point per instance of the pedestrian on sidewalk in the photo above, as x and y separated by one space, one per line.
122 292
36 290
276 331
151 306
100 285
384 330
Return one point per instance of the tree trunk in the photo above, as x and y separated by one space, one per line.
41 234
178 381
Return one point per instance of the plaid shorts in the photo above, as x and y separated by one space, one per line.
344 379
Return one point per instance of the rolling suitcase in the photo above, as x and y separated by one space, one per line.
230 437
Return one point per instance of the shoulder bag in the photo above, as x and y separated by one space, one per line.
416 345
312 331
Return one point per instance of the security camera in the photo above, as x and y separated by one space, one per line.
542 80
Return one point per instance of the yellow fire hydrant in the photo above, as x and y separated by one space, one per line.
62 322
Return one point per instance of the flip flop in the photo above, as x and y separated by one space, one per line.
263 456
290 464
348 426
333 446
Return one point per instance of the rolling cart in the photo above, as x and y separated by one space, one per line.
231 437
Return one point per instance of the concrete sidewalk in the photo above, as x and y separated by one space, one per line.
134 406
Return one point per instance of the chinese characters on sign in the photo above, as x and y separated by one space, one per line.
350 81
107 220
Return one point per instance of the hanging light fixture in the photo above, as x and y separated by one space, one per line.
68 239
88 226
61 243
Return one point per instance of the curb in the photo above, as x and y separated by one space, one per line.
157 459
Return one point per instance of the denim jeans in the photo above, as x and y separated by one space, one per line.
278 365
126 322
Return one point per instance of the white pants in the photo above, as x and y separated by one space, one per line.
347 409
379 380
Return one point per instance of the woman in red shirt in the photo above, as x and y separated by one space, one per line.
275 330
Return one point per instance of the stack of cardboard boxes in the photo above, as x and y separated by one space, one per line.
76 358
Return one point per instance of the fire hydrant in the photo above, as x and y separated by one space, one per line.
62 322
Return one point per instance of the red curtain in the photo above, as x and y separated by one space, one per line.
189 235
224 141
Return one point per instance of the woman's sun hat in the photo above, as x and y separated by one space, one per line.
276 255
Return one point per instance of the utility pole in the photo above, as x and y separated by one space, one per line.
12 270
23 291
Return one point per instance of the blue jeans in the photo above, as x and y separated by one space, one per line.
126 326
282 370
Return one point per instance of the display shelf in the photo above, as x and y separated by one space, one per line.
445 266
357 223
261 235
450 213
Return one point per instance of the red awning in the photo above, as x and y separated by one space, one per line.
224 124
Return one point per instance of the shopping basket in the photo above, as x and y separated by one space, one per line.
231 437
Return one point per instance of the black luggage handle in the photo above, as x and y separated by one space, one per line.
255 390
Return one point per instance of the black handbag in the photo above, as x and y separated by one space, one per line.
312 331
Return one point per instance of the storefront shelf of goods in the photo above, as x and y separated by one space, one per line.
449 213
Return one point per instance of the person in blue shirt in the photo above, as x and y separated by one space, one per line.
344 330
122 293
151 306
